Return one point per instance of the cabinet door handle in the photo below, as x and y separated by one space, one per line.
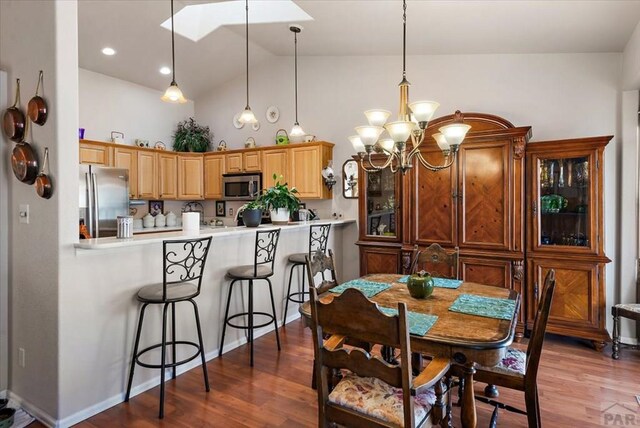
535 291
534 207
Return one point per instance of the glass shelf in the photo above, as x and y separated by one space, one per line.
381 202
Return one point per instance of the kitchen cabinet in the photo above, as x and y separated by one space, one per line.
251 161
190 177
275 162
147 174
565 218
167 175
233 163
128 159
214 167
95 153
307 162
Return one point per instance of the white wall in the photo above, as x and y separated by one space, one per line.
109 104
559 95
4 245
631 64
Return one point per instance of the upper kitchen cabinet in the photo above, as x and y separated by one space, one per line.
307 162
239 162
167 175
147 174
276 162
190 176
127 158
96 153
251 161
214 167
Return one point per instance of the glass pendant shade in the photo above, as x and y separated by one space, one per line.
423 110
442 142
247 116
400 130
455 133
173 94
369 134
377 117
296 133
356 143
387 144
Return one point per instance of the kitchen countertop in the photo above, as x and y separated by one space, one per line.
214 231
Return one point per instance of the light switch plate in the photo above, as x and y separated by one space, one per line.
23 213
231 212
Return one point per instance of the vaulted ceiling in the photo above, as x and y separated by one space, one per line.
344 27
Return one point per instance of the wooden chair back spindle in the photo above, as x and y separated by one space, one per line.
432 258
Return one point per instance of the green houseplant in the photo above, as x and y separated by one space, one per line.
252 213
280 200
191 137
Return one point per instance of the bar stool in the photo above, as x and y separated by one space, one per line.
262 268
318 238
183 266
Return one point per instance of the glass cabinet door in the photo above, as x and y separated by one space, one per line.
564 202
381 204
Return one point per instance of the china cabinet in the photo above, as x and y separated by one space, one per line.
566 233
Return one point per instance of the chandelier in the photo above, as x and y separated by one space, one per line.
413 119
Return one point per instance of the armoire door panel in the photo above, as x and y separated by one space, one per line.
486 271
435 203
485 186
379 260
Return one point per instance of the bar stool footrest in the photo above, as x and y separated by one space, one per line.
246 327
167 365
291 297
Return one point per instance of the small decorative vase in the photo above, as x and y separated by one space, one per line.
252 218
148 221
161 220
420 285
280 216
171 219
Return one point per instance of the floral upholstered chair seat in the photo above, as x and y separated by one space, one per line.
377 399
513 363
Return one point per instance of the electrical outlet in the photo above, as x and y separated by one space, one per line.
21 358
230 212
23 213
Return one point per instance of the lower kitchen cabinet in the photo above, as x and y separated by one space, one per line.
190 177
578 307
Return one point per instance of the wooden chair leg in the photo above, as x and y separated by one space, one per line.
533 409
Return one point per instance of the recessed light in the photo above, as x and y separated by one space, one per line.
108 51
165 70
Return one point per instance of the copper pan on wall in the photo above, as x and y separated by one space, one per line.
24 161
37 107
13 120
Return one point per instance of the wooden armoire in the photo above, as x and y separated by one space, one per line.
514 210
476 205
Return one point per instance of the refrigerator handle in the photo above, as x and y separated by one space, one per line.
87 177
94 183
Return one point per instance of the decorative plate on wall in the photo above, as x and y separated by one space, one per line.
255 126
273 114
236 121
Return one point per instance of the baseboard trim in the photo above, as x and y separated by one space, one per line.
35 411
138 389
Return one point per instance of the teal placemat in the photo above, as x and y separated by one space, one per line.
489 307
438 282
368 288
419 324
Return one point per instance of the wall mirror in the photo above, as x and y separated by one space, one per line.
350 179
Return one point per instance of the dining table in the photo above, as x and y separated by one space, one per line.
467 340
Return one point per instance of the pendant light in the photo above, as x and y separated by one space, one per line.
173 94
247 115
297 133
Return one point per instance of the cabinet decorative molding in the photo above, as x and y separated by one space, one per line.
518 270
519 144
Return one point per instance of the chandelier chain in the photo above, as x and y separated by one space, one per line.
173 49
404 39
295 51
247 45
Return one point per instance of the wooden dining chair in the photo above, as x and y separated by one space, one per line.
519 370
437 261
372 392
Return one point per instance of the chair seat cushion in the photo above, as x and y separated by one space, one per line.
633 307
513 363
153 293
297 258
246 272
375 398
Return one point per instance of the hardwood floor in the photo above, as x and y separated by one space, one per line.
575 382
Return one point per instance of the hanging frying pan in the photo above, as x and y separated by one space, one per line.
24 162
43 181
37 107
13 121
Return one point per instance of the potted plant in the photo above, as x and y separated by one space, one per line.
191 137
252 213
280 201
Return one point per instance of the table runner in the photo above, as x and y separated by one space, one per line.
368 288
419 324
438 282
489 307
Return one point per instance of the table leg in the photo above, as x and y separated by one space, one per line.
416 363
469 417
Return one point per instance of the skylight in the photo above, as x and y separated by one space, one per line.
196 21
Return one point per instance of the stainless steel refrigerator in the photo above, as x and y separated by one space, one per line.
104 195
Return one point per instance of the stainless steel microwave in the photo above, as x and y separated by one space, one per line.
241 187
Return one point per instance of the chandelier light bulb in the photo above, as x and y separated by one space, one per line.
454 133
357 144
377 117
369 134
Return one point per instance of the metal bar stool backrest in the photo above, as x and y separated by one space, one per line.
184 261
266 244
318 238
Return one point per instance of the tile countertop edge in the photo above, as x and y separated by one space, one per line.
152 238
